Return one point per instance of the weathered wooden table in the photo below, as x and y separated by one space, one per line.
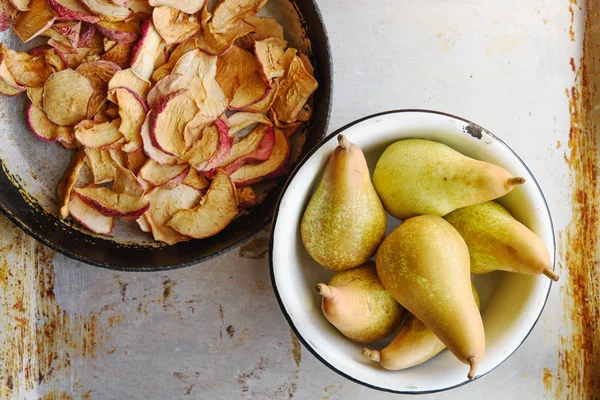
214 330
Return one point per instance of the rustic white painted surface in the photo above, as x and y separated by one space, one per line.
501 63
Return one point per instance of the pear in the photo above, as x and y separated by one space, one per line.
416 177
497 241
414 344
424 264
359 307
344 221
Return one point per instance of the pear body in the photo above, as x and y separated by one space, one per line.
417 177
414 344
424 264
357 304
497 241
344 221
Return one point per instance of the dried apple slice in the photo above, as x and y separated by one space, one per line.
246 197
72 9
143 223
8 86
21 5
101 164
99 73
68 180
88 217
217 208
169 84
107 10
165 203
276 165
126 182
109 203
32 23
169 119
120 55
149 149
187 6
242 120
27 70
98 135
87 35
35 95
146 51
211 149
263 28
215 43
122 32
265 104
196 180
168 175
54 58
127 78
139 6
44 129
229 12
66 97
294 90
238 76
173 25
70 30
135 161
268 53
179 51
287 128
132 111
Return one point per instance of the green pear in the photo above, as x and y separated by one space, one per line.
424 264
417 177
357 304
497 241
344 221
414 344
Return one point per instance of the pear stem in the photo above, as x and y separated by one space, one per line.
343 142
551 274
373 355
324 290
473 369
512 182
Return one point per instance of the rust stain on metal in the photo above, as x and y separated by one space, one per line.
548 380
579 354
296 349
167 289
572 11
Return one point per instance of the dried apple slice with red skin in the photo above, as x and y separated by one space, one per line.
72 9
21 5
88 217
99 73
35 95
127 78
66 96
263 28
8 86
246 197
112 204
146 51
242 120
218 207
70 30
107 10
122 32
164 204
125 182
179 51
54 58
196 180
169 119
174 26
215 43
211 149
120 55
277 164
187 6
30 24
163 175
149 149
95 135
132 110
265 104
44 129
169 84
143 223
27 70
229 12
68 180
294 90
101 164
87 35
268 54
139 6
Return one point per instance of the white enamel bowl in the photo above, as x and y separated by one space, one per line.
511 303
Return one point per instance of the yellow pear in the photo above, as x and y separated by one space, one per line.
414 344
356 303
416 177
344 221
424 264
497 241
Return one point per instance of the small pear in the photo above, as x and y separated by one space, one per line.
344 221
424 264
414 344
497 241
356 303
416 177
